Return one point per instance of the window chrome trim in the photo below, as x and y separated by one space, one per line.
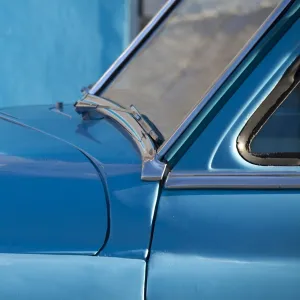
136 43
165 10
280 94
223 77
233 180
152 169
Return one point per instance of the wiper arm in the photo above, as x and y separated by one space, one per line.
82 106
94 102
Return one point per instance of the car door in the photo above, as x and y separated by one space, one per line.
227 224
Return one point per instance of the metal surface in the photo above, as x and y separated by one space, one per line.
152 169
243 53
277 99
116 156
209 241
140 39
234 180
102 103
142 141
226 228
226 244
215 148
46 184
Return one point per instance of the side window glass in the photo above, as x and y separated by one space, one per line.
281 132
272 135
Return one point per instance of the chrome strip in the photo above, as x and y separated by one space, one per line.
234 180
135 43
91 105
235 62
152 169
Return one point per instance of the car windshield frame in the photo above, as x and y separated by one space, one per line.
148 32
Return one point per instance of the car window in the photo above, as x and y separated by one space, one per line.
281 133
174 68
272 134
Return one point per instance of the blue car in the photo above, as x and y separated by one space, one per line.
176 176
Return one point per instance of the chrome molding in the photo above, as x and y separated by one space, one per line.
152 169
235 62
135 43
234 180
90 106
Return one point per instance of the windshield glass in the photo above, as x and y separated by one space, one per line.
172 71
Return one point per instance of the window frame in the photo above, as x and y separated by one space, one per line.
167 150
286 85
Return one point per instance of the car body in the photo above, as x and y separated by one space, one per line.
98 204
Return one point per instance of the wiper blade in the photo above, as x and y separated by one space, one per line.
94 102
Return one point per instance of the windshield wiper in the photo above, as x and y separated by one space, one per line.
91 102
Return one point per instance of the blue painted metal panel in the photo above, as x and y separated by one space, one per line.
229 244
66 277
52 199
242 225
51 49
226 245
219 137
132 201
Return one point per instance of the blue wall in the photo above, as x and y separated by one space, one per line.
51 48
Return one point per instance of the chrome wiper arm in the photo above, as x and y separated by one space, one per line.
94 102
148 128
146 138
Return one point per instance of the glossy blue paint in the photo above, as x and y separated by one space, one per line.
70 277
242 225
48 197
59 159
131 201
258 83
73 186
230 244
226 245
255 91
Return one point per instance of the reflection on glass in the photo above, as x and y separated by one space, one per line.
281 132
174 69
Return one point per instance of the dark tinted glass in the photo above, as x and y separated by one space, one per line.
281 133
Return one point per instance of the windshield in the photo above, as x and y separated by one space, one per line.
172 71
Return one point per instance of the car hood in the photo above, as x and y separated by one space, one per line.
101 167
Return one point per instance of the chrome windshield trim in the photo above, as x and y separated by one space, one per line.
88 106
223 77
234 180
134 44
152 169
